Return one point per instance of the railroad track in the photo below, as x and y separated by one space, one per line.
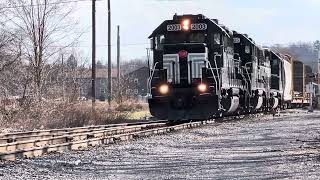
37 143
27 135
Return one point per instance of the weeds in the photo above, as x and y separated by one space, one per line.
51 115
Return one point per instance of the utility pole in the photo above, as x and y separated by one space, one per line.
109 55
318 95
93 53
318 64
118 59
317 47
310 90
148 59
63 76
149 68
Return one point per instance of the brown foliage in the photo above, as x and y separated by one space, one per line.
51 115
129 106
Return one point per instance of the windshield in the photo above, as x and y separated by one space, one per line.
175 38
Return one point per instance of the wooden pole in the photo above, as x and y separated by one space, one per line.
109 56
93 53
118 58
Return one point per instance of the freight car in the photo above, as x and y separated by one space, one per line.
288 81
301 77
202 69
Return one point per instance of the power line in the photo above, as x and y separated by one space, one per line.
105 45
122 45
54 3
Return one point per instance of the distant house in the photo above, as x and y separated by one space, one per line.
137 82
10 102
133 84
101 84
75 82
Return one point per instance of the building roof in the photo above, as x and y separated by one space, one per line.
130 72
103 73
100 73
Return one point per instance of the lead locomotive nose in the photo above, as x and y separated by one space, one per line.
179 103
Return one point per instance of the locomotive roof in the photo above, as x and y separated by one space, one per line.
276 54
247 38
194 17
285 57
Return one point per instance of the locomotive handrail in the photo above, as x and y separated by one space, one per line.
264 82
274 75
249 78
236 60
245 80
215 63
151 77
239 61
214 77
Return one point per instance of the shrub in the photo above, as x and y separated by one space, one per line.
51 115
129 106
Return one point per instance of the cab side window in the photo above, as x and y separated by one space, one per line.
159 41
216 39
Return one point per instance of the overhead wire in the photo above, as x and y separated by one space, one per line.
105 45
53 3
66 2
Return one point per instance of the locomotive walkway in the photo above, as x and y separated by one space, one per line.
285 146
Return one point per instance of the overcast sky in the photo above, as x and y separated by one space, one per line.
267 22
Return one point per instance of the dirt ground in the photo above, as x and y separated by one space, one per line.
281 147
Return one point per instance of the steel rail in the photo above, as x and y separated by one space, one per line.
72 137
10 137
34 148
75 140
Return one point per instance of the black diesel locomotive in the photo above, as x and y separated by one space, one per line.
201 70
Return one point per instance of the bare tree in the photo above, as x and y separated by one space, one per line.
9 64
41 26
121 89
8 54
302 51
75 72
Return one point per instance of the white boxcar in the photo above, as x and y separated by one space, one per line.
287 65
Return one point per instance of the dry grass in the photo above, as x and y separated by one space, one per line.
48 115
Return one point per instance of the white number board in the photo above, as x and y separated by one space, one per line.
199 26
194 27
174 27
236 40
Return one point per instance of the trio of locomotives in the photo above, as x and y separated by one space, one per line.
203 70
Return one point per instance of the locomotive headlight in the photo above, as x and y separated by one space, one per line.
202 87
164 89
186 24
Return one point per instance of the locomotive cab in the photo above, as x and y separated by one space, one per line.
277 79
256 73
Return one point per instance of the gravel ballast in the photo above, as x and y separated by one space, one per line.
265 147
